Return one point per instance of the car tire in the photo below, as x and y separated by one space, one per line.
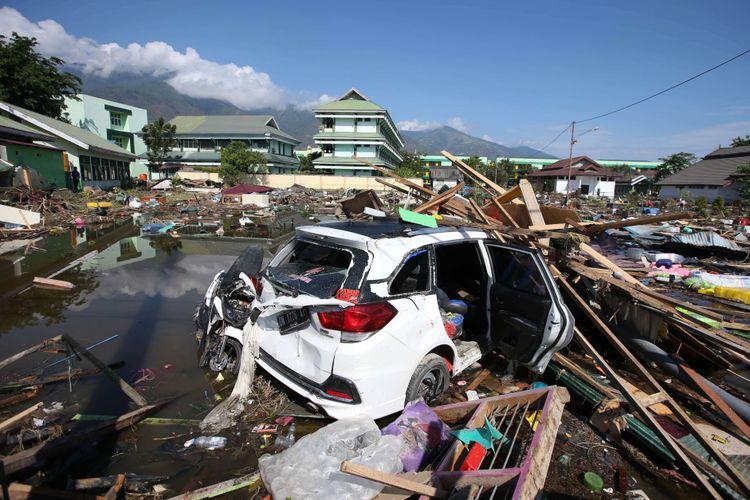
430 380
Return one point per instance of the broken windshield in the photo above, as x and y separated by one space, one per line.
319 270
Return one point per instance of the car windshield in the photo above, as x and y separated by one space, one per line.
319 270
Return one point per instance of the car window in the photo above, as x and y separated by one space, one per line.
414 275
318 270
517 270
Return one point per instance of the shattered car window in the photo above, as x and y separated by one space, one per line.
517 270
316 269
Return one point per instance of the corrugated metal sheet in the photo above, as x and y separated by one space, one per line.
705 239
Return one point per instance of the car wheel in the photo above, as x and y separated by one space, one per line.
429 381
233 350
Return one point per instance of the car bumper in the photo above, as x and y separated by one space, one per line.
309 390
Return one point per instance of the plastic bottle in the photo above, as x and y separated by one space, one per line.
288 440
207 442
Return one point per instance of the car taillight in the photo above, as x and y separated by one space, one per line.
360 318
338 394
258 284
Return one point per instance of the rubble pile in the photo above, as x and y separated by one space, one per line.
653 389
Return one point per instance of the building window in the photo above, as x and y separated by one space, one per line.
121 141
116 119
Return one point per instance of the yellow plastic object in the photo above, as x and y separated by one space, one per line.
723 292
99 204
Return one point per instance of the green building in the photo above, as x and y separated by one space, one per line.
100 162
116 122
200 139
352 128
24 146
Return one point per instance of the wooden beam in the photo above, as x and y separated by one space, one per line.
392 480
716 400
467 170
221 488
438 200
37 347
32 456
21 491
509 195
505 213
19 417
603 226
124 386
601 259
117 489
532 205
51 284
647 376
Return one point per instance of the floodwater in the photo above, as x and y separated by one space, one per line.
144 291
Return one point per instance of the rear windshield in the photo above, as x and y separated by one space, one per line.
319 270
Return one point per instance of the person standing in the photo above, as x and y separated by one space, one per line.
75 175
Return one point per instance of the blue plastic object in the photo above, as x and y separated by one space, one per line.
538 385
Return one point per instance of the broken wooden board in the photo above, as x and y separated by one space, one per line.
16 419
36 347
34 455
51 284
357 203
221 488
437 201
392 480
603 226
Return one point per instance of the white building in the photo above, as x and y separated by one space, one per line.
354 127
587 178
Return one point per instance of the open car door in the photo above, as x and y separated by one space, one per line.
529 321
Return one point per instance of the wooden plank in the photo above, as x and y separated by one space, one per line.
532 205
117 489
221 488
505 213
652 399
484 218
438 200
392 480
37 347
19 417
52 284
603 226
583 374
21 491
29 393
601 259
646 374
509 195
645 414
478 379
716 400
124 386
32 456
470 172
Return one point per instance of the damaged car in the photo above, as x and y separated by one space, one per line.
365 316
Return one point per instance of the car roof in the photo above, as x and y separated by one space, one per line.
389 228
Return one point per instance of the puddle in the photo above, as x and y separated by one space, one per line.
144 290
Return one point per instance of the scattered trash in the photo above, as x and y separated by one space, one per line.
207 442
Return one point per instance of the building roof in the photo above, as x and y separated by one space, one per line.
246 189
444 174
715 169
67 132
583 166
9 127
352 100
229 126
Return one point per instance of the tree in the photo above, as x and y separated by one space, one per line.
717 206
30 80
501 172
306 162
476 163
159 138
673 164
410 166
238 161
741 141
743 180
701 206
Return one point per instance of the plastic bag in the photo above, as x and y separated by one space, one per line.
311 468
423 432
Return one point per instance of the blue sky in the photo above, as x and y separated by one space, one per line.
513 72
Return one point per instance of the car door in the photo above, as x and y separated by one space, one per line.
529 321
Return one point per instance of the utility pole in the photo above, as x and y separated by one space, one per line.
570 160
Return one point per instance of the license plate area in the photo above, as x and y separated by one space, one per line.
293 320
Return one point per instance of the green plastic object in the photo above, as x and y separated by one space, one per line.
415 218
593 481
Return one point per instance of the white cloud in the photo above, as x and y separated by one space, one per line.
187 71
417 125
459 124
488 137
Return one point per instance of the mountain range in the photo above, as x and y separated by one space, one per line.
161 100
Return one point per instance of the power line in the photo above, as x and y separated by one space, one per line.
665 90
555 139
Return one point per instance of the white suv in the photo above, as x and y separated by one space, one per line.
352 314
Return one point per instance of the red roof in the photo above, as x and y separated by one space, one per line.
247 189
582 166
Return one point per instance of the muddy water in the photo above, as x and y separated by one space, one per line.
143 290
